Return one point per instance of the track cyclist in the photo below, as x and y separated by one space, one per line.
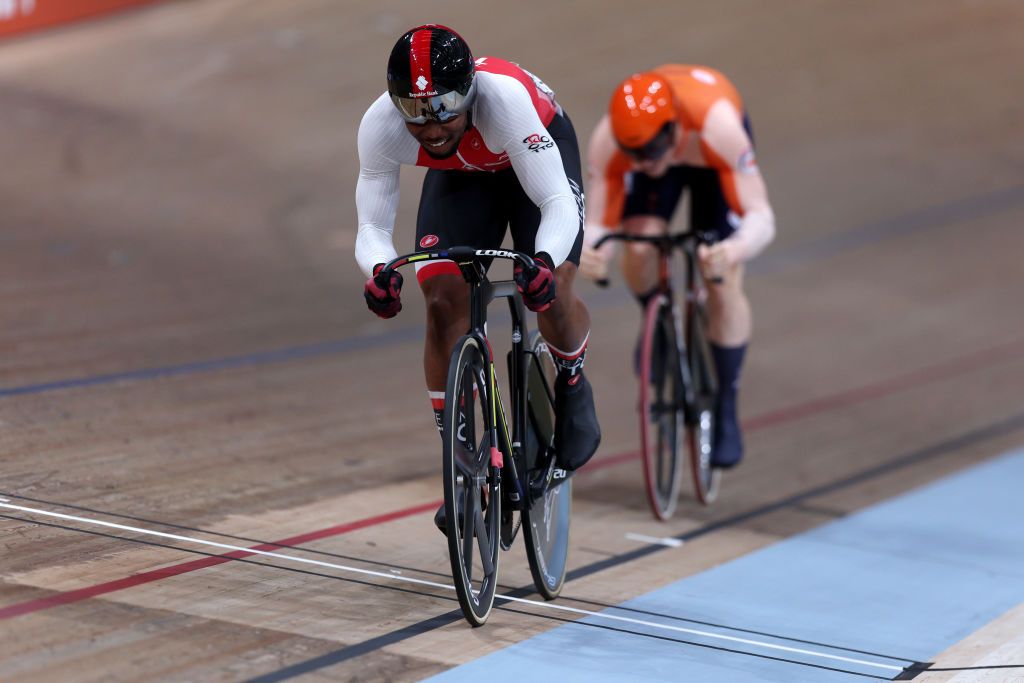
666 130
500 153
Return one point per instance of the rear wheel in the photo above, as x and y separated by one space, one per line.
472 500
661 407
546 519
701 420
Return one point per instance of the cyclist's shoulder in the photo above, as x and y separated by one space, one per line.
501 98
723 127
603 154
500 79
380 114
382 134
698 89
688 78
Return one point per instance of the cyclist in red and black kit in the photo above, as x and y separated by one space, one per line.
501 154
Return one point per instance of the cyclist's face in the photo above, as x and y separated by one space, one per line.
440 140
658 166
655 168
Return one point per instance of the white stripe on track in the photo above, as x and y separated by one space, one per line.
442 586
655 540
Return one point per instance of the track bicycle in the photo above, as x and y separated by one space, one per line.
497 479
678 383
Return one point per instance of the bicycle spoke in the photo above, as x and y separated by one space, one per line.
468 521
483 541
465 460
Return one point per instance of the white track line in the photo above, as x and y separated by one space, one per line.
433 584
654 540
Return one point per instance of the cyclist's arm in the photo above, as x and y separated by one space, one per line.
606 181
507 119
382 144
728 148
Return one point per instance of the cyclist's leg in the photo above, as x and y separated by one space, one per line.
456 208
649 206
648 209
729 316
566 323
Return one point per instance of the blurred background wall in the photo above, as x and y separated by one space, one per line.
19 16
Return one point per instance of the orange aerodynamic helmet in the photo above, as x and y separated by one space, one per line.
643 115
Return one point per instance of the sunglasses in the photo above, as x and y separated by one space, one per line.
440 108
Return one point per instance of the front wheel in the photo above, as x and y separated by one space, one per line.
662 409
546 519
472 497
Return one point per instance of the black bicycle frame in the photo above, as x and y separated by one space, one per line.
481 293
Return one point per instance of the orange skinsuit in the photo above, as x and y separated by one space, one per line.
710 113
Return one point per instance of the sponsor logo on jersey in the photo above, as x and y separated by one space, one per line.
428 241
537 143
747 163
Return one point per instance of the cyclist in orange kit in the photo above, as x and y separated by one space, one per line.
666 130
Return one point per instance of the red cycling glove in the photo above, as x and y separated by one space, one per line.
537 285
383 292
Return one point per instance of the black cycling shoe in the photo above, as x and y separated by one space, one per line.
440 518
577 433
440 521
727 450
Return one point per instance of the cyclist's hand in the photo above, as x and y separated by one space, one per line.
383 292
594 262
715 260
537 285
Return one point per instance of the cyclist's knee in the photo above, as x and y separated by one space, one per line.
731 286
446 299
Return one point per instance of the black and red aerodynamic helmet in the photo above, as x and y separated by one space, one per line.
430 74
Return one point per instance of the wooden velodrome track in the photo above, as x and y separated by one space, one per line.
185 348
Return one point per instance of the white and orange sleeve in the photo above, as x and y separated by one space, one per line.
606 182
727 148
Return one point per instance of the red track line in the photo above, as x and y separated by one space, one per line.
67 597
849 397
944 370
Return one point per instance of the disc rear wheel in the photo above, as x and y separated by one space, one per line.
546 521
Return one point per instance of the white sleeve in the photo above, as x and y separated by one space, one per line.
384 144
508 121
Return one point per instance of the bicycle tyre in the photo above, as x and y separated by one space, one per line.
471 482
662 414
700 427
547 520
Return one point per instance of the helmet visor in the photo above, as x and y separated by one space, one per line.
439 108
656 147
